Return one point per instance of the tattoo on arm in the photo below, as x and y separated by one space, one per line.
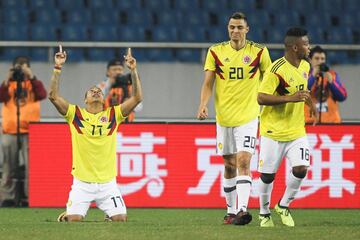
54 85
135 79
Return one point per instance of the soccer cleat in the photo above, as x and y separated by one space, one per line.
242 218
266 221
285 215
228 219
107 218
62 217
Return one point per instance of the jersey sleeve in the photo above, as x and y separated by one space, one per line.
69 116
118 114
209 62
265 60
269 83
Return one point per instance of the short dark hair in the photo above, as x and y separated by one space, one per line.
238 15
292 34
316 49
115 62
296 32
21 60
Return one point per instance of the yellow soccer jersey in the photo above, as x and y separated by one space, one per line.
93 139
237 80
284 122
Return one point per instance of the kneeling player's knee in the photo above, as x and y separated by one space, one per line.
299 171
267 177
119 218
74 218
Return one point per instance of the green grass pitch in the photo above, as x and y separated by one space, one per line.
40 223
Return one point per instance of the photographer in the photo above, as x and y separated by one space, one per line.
117 87
326 88
21 90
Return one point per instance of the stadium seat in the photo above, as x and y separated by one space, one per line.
336 57
168 18
9 53
104 33
44 16
164 34
256 35
243 6
18 32
276 54
137 18
13 4
41 32
339 35
217 35
259 18
186 5
139 54
276 5
316 35
213 5
351 5
128 5
333 6
100 54
188 55
71 4
275 35
99 4
15 16
40 54
131 34
105 16
303 6
76 16
36 4
156 5
74 54
193 19
192 35
350 19
160 55
74 33
284 20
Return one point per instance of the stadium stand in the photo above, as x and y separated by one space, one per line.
328 22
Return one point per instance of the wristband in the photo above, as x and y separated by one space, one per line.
57 69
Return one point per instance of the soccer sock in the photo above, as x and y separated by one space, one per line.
230 194
265 196
292 187
243 188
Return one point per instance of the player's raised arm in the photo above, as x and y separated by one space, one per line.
136 97
206 91
59 102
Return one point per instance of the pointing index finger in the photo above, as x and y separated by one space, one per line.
60 48
129 52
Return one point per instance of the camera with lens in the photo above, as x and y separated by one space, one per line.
122 81
324 67
18 75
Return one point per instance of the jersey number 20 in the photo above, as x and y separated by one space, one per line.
236 73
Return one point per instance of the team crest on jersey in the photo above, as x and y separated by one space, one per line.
220 146
305 75
247 59
104 119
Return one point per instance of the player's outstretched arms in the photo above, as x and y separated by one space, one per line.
270 100
206 91
136 97
59 102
